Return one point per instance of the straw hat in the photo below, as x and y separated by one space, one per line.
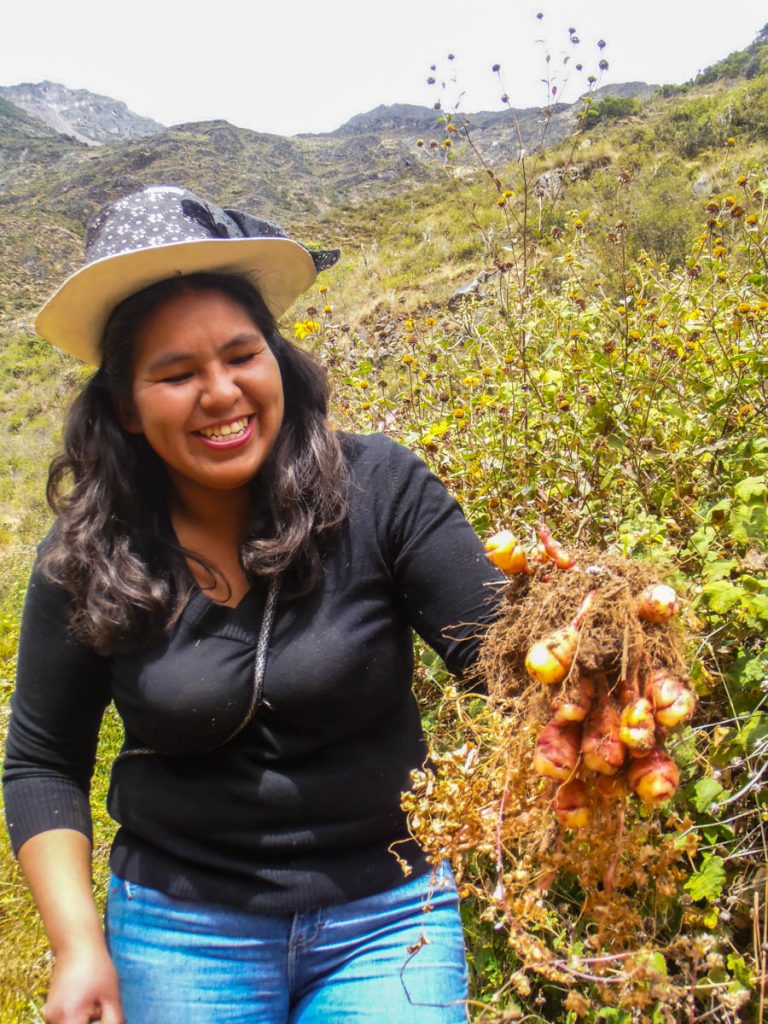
164 231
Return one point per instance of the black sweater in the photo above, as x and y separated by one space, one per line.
300 808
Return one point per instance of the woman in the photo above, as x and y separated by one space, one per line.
242 582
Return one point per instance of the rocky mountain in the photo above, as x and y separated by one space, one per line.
83 115
499 134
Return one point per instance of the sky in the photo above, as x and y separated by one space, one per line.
294 66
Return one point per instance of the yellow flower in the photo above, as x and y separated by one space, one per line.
730 141
634 335
752 219
430 321
366 405
459 414
303 328
362 384
408 359
323 289
327 309
409 324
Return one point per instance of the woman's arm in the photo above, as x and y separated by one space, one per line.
84 986
61 692
447 587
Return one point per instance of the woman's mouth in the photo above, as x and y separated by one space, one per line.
227 434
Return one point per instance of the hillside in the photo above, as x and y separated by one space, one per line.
50 184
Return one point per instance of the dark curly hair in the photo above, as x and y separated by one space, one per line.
112 547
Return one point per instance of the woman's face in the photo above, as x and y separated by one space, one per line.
207 391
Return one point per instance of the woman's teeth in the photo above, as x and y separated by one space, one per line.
225 429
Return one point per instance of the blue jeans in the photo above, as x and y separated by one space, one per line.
397 956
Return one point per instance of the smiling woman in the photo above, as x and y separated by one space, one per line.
243 583
207 393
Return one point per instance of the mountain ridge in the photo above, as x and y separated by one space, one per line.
88 117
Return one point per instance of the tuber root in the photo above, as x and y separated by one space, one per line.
601 747
671 699
573 705
613 787
555 551
654 777
557 751
658 603
638 726
571 804
549 660
506 554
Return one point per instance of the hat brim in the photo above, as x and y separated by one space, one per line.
75 316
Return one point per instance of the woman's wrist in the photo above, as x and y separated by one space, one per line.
81 936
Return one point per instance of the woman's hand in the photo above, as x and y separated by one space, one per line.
84 985
83 988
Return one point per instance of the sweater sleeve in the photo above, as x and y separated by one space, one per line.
56 710
448 588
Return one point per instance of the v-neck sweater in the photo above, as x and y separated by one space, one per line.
301 809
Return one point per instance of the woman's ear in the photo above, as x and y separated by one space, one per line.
127 416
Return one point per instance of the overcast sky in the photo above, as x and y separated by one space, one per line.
294 66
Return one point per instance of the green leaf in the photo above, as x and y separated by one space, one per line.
702 540
613 1016
653 961
740 970
757 606
748 672
708 882
719 510
705 792
753 733
721 569
751 487
722 596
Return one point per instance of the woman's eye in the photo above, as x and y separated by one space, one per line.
177 378
241 360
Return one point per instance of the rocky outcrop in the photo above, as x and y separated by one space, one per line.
80 114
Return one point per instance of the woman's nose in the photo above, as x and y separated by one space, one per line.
219 389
